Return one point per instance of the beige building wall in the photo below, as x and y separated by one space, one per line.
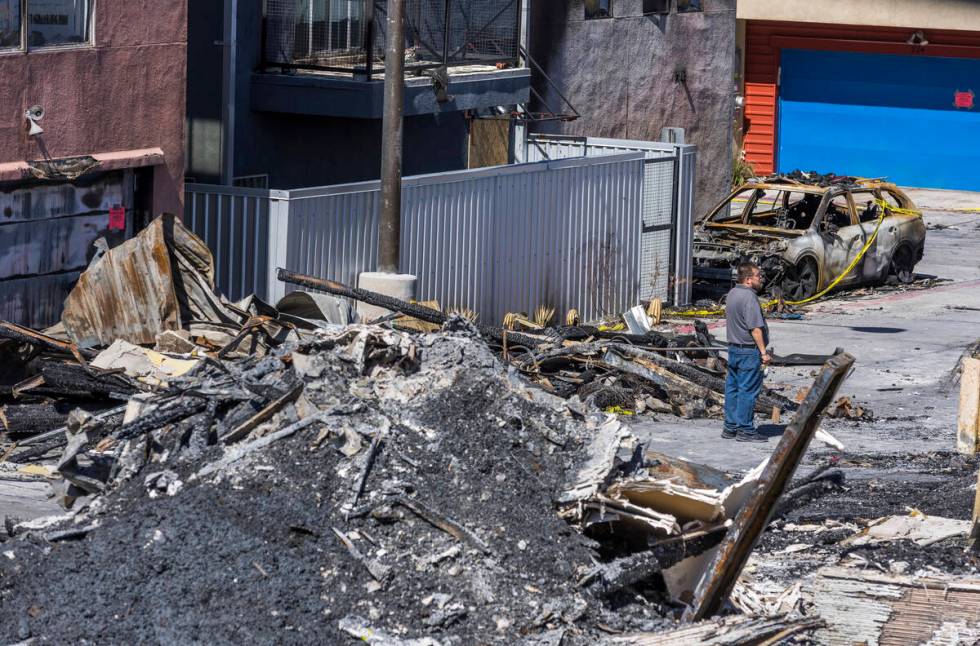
917 14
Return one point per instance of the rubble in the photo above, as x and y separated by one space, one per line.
276 473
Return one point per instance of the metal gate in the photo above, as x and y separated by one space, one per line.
668 200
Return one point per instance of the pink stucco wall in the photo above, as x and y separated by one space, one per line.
125 92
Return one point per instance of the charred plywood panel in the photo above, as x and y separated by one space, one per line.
871 608
46 239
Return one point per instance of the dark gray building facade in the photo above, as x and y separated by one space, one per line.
634 67
289 100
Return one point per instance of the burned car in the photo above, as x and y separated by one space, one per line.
804 235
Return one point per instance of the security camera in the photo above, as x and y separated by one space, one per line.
34 114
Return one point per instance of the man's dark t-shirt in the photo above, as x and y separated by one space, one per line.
743 314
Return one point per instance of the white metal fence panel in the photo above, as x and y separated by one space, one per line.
234 222
665 262
508 238
563 234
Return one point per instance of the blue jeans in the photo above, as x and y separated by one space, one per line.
742 389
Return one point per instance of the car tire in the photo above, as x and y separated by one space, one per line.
903 264
800 281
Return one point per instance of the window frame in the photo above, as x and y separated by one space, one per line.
694 6
664 11
608 16
25 48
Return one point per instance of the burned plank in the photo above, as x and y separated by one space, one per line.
764 404
377 570
263 415
414 310
752 519
43 341
20 419
365 470
72 380
444 523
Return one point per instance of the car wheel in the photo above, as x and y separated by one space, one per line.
800 281
903 264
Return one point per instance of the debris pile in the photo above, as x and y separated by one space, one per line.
281 473
628 369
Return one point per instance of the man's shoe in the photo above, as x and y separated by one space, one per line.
728 435
751 437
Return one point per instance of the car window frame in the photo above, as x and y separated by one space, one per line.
876 194
828 201
710 220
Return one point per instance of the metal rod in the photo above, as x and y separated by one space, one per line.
389 228
368 38
445 36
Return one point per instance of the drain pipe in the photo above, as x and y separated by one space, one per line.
230 47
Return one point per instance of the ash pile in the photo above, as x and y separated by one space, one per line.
281 474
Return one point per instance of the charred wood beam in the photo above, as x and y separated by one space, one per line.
414 310
444 523
662 378
31 337
766 401
73 380
110 417
263 415
176 411
23 455
752 518
38 418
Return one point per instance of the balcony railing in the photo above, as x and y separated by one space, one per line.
349 36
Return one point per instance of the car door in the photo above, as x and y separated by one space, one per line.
842 238
877 260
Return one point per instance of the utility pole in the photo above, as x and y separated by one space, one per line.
387 280
389 234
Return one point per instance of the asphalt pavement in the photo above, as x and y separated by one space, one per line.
905 342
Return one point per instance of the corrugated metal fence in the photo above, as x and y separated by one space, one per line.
565 234
668 201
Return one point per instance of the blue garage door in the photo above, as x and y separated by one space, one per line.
877 115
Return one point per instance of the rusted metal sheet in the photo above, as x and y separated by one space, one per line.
145 286
751 521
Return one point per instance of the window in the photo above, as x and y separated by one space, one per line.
688 6
866 204
785 209
656 6
10 24
838 213
58 22
50 23
766 206
598 9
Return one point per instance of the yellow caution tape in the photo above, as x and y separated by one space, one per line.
885 208
618 410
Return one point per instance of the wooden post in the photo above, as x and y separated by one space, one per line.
968 424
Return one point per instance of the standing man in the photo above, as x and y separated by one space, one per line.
748 336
